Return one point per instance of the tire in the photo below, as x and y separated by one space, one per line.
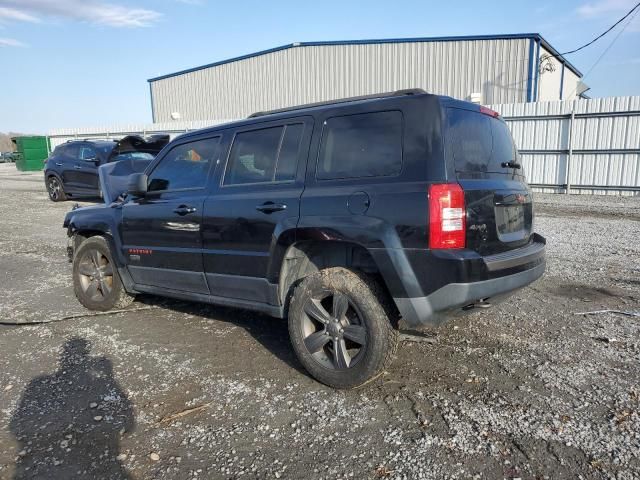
96 281
55 189
363 328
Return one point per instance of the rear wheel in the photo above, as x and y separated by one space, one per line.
55 189
96 281
340 327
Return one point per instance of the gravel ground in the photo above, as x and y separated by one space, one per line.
528 389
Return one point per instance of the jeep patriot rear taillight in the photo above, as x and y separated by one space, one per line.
447 216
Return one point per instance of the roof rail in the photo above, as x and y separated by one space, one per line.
397 93
90 139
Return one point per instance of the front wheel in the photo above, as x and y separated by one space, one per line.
340 327
96 281
55 189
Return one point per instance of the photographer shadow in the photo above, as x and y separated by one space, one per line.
69 423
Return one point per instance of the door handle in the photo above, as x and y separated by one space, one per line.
511 165
59 164
184 210
77 167
270 207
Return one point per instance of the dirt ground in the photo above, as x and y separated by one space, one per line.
532 388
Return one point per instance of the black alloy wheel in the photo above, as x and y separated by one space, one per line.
55 190
334 332
341 326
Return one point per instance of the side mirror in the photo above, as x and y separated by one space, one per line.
137 185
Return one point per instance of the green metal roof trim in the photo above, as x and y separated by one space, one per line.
508 36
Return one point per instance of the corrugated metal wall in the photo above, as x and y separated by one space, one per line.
496 68
597 146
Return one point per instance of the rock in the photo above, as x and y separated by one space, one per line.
8 387
154 456
97 418
121 457
93 405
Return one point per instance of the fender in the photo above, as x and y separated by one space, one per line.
379 238
102 219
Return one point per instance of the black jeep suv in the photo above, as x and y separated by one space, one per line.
72 168
351 219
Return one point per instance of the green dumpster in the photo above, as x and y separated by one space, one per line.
32 151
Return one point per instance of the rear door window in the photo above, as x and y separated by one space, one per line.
264 155
362 145
87 153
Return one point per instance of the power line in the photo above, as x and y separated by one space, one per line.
608 48
603 33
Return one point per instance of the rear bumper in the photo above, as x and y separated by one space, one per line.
437 307
488 279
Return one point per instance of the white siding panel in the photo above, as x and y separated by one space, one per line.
496 68
549 81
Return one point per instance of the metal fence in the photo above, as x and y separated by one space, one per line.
582 146
62 135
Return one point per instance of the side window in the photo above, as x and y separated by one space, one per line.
71 150
264 156
363 145
470 139
289 152
185 166
87 153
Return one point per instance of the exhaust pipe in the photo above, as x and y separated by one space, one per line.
479 304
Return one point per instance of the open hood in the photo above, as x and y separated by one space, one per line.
115 174
135 143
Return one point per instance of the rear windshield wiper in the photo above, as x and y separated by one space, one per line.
511 164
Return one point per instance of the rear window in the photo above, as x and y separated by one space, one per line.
503 148
363 145
478 142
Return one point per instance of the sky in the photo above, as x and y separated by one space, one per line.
80 63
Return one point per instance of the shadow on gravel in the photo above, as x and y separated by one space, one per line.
271 333
69 423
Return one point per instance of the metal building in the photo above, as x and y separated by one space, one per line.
489 69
